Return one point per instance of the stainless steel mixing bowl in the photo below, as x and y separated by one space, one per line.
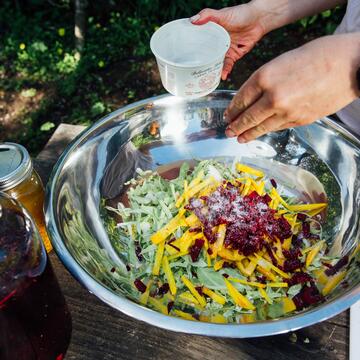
316 161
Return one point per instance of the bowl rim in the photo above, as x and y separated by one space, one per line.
139 312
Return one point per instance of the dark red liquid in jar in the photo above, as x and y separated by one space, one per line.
34 319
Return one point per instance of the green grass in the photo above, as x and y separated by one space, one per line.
37 55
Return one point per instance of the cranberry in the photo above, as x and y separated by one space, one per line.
309 295
273 183
334 269
301 217
271 254
299 278
138 251
199 290
170 306
140 285
306 229
195 229
163 289
195 249
291 265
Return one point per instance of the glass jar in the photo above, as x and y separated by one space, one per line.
19 180
35 323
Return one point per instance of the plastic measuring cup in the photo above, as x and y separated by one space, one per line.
190 57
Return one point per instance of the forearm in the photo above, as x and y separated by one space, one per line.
277 13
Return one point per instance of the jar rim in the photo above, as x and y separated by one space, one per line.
16 165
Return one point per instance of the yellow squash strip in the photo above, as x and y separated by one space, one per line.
168 297
278 253
169 275
287 243
238 298
274 204
188 297
194 190
158 305
267 265
255 186
231 255
246 188
192 221
190 303
158 257
315 212
333 282
214 296
310 248
218 265
321 276
171 250
175 256
192 289
250 268
186 198
275 195
218 318
291 220
168 229
306 207
267 273
312 254
220 237
145 296
277 284
288 305
204 318
197 180
208 190
241 267
250 283
186 241
265 296
249 170
261 188
183 315
206 246
247 318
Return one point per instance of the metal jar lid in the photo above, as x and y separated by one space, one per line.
15 165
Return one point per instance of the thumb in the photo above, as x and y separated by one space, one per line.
205 16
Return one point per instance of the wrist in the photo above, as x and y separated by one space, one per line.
270 15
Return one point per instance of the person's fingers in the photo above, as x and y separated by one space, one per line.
273 123
205 16
252 117
233 54
249 92
228 65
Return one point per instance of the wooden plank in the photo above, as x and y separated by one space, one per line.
100 332
47 158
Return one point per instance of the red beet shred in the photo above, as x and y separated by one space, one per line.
248 219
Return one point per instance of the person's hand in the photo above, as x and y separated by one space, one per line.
297 88
244 26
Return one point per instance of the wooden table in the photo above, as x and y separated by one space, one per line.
102 333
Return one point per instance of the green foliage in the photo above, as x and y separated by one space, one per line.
37 53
